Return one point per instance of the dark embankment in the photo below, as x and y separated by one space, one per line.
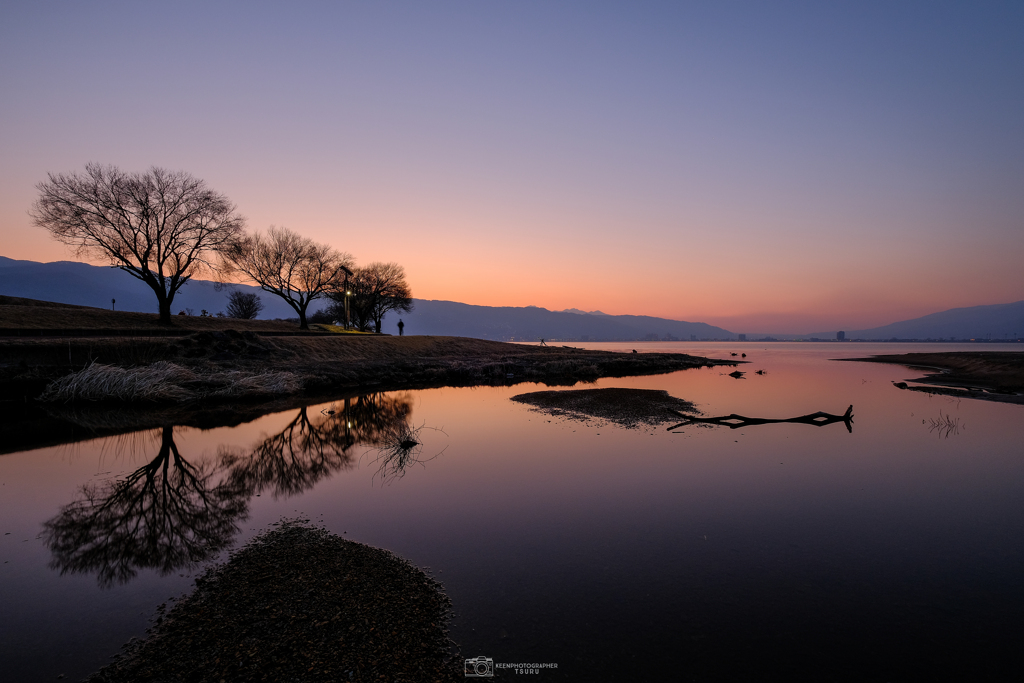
241 361
33 318
988 375
300 604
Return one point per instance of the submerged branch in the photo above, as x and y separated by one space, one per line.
734 421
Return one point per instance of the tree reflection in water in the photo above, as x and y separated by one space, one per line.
310 449
170 513
399 447
166 515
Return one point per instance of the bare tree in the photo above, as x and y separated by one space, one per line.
159 226
377 289
293 267
244 305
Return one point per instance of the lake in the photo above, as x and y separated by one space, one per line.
890 552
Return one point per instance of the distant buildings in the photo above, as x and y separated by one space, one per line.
743 337
840 335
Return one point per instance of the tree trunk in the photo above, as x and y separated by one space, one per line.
164 302
376 324
303 325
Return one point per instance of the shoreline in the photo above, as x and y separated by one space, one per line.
376 365
319 363
985 375
211 372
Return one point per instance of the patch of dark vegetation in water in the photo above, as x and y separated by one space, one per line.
629 408
300 604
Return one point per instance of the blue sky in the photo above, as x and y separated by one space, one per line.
769 166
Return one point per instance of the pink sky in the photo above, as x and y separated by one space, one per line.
769 170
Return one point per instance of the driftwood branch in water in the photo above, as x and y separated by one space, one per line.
818 419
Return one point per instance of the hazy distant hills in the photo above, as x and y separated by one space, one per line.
79 283
531 323
69 282
997 321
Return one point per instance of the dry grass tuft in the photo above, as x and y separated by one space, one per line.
165 381
156 382
241 384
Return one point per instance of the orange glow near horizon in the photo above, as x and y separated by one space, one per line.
744 169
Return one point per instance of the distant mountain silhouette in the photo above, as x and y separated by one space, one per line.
579 312
531 323
995 321
70 282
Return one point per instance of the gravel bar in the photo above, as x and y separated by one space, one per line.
300 604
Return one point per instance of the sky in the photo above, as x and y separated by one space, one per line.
768 167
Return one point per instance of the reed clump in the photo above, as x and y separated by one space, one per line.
96 382
239 384
164 381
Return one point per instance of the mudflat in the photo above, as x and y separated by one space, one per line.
991 375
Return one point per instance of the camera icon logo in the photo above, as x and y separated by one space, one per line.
480 667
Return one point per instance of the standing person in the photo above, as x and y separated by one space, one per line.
401 327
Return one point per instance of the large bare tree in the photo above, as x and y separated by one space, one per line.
377 289
293 267
159 226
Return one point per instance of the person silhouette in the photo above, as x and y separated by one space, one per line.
401 327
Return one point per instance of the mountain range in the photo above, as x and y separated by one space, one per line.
83 284
995 321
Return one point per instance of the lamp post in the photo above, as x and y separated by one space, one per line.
348 293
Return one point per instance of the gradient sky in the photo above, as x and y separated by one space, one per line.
770 167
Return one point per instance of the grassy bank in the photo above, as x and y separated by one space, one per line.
28 317
242 361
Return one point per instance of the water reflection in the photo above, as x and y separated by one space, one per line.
399 448
309 448
172 513
165 515
946 426
734 421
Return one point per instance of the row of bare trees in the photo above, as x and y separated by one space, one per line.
165 227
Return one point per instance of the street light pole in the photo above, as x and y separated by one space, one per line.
348 319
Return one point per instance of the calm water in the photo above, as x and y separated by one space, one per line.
890 553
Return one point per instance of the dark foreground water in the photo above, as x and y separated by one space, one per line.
894 552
